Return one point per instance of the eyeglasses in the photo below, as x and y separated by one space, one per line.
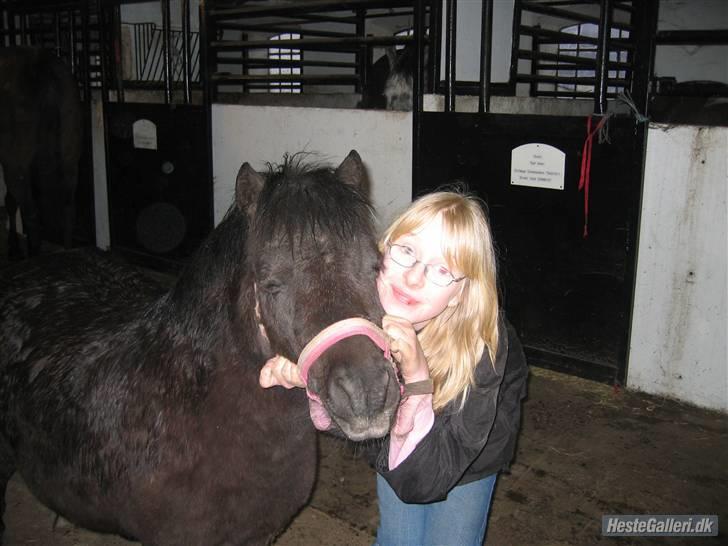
437 274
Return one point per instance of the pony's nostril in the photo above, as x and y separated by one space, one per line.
345 389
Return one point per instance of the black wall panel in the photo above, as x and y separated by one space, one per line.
160 199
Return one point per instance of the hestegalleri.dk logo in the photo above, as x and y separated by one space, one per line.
664 525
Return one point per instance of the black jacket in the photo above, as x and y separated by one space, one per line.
475 442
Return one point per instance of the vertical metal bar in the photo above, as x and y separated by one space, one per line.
644 24
435 27
208 63
535 48
103 53
515 46
24 38
417 85
363 53
486 41
418 76
450 39
72 41
186 50
167 46
207 31
85 55
57 31
601 72
116 37
9 39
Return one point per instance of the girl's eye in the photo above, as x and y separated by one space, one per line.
408 250
442 270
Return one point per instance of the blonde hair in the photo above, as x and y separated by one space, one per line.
454 341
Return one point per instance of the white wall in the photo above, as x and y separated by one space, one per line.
690 62
679 322
98 158
467 48
260 134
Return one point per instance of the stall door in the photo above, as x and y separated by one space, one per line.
568 295
160 199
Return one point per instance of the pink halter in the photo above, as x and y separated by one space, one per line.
325 339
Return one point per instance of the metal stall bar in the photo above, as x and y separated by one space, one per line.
186 68
450 39
545 58
486 40
417 85
363 55
167 47
645 20
605 29
302 8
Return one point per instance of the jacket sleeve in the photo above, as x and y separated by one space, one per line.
455 440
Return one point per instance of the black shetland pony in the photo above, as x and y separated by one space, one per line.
131 413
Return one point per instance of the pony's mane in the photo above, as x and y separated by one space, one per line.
302 199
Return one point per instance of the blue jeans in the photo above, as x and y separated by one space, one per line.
459 520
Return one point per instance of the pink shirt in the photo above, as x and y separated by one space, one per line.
415 418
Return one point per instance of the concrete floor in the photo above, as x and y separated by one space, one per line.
586 449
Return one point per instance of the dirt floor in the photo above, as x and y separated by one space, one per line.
586 449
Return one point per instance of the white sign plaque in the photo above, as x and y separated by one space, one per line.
538 165
145 134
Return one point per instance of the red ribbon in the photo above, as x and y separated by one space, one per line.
585 175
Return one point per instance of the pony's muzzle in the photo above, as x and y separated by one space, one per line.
358 387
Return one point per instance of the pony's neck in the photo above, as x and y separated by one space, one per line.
213 299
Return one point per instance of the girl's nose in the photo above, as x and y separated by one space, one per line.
415 275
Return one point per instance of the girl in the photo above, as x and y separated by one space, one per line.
437 285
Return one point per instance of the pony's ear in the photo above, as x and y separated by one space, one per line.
353 172
248 185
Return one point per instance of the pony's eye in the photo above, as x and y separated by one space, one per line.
272 286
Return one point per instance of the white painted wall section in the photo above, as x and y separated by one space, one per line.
264 134
101 190
680 324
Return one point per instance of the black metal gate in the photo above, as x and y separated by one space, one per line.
157 139
568 296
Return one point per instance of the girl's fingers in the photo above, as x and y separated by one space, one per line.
280 371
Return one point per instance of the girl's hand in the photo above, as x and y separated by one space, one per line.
280 371
406 349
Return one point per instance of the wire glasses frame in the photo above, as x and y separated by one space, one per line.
437 275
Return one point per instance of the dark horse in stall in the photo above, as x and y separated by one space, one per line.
391 80
140 414
40 145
